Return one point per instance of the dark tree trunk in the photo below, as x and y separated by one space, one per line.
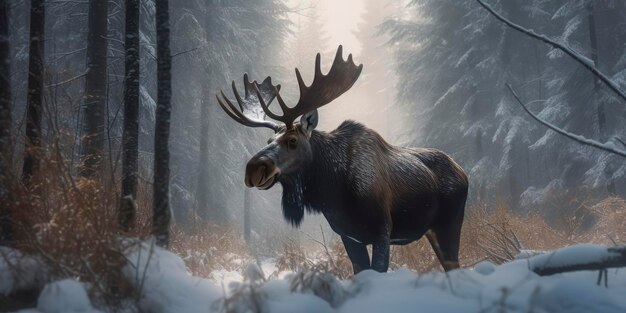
202 189
247 195
6 151
600 112
95 89
32 151
162 214
130 135
202 192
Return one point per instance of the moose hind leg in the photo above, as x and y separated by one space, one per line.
357 252
445 239
446 247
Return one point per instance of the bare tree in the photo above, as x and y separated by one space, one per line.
95 89
6 151
161 208
32 153
130 135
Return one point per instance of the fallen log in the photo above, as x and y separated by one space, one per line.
580 257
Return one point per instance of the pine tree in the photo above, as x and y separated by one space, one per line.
95 89
32 151
6 150
161 206
130 135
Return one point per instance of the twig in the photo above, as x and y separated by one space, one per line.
323 244
573 54
145 269
66 81
187 51
581 139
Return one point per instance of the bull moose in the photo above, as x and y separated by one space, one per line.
370 191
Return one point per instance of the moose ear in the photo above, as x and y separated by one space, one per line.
309 122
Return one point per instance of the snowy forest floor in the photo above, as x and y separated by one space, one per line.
81 265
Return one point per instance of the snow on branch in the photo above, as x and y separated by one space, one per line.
581 139
573 54
580 257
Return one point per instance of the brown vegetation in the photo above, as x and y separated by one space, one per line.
70 226
497 235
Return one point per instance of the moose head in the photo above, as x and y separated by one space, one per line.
288 151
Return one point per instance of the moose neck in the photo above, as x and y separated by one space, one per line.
317 187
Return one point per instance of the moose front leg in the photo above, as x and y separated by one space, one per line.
380 253
357 252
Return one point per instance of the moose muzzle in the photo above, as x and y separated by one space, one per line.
261 173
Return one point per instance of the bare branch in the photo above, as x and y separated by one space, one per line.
67 80
578 138
187 51
573 54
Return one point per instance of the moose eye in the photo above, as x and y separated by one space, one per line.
292 143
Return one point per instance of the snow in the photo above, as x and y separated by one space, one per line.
19 272
165 286
585 253
64 296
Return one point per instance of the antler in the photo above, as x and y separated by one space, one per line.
324 88
264 93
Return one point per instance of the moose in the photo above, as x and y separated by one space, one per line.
369 191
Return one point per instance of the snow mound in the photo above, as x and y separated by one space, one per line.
64 296
165 286
20 272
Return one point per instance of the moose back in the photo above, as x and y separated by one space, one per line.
370 192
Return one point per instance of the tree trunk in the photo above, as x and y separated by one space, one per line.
202 189
95 89
600 114
247 203
32 151
202 192
161 207
130 135
247 195
6 151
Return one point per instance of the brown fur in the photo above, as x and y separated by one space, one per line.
370 192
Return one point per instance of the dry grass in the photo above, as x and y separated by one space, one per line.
328 258
70 225
500 235
206 248
496 235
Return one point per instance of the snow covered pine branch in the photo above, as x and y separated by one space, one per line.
578 58
588 64
581 139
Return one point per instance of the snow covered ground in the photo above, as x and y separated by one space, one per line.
167 287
